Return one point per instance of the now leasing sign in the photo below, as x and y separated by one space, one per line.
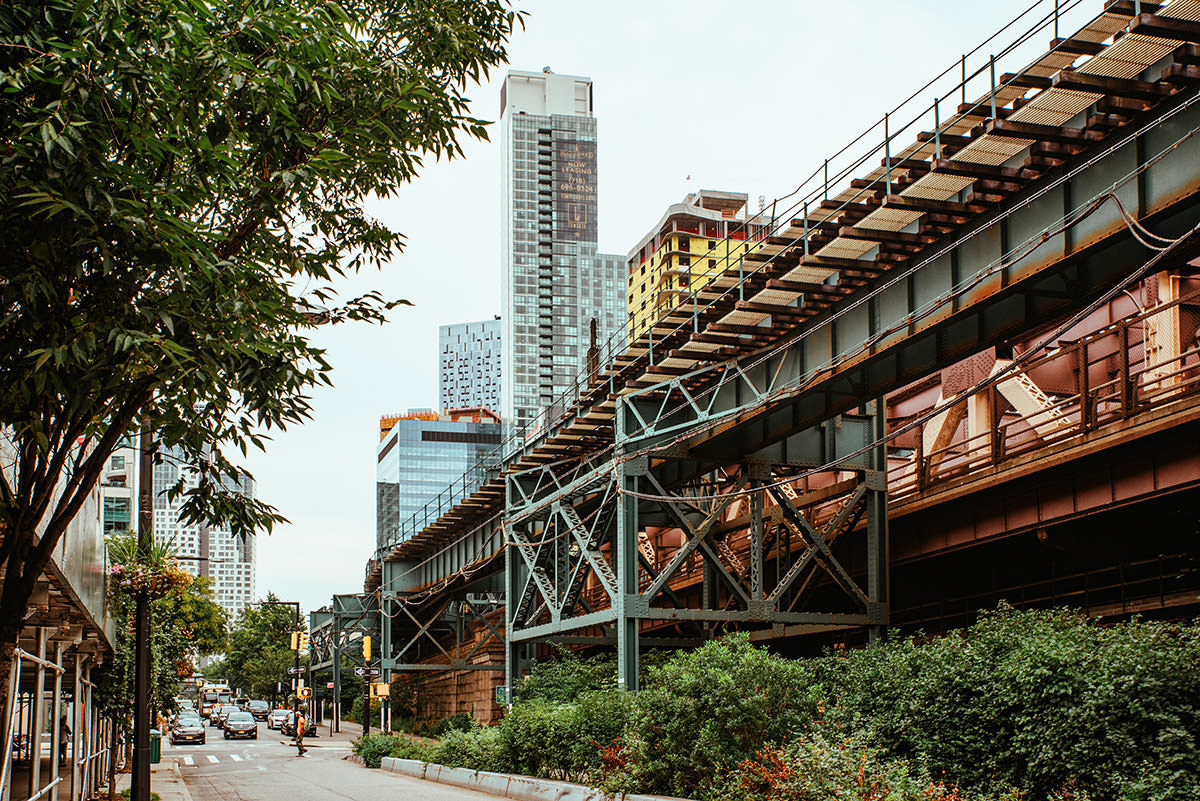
574 190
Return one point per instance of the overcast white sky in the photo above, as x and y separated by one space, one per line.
741 96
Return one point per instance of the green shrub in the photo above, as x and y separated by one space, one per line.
1037 700
562 679
374 747
563 741
706 711
477 748
414 748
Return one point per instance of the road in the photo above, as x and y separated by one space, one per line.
267 769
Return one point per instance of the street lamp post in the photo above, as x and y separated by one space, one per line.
140 780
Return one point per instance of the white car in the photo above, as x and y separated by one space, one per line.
276 717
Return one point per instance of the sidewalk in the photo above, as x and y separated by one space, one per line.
164 780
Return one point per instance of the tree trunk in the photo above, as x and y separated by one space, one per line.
9 631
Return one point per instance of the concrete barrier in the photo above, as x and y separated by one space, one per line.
505 785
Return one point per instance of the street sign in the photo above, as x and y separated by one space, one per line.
361 671
329 685
295 670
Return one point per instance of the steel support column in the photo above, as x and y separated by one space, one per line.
627 575
878 546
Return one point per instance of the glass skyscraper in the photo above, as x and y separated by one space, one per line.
424 455
554 281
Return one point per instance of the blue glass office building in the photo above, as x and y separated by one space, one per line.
425 455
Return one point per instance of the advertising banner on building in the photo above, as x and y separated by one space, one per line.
574 190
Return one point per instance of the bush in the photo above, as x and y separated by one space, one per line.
477 748
374 747
704 712
414 748
563 741
827 765
1039 705
561 680
1037 700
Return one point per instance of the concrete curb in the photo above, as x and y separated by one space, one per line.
505 785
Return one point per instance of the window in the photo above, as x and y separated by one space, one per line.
118 463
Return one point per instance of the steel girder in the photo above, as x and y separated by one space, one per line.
417 632
590 527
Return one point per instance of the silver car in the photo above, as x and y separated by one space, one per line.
276 717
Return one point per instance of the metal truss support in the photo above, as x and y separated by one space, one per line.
746 545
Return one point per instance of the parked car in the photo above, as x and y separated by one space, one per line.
259 709
186 729
275 717
288 727
240 724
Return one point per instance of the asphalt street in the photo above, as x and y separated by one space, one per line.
267 769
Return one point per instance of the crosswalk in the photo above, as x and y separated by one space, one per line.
189 761
198 760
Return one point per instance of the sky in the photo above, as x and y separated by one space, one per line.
749 96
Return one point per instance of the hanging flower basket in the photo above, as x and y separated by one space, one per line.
156 581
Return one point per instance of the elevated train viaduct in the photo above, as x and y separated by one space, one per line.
962 368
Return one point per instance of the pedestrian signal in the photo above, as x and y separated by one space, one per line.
380 689
304 692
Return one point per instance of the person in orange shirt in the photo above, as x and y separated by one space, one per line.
301 723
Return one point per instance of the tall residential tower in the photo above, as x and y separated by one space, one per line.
469 365
555 283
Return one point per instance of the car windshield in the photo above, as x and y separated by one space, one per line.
280 713
258 704
241 717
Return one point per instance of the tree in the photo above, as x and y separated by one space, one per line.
181 187
260 650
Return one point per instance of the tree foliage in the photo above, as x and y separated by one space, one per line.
260 652
181 187
185 624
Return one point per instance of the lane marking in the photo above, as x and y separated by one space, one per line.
235 757
212 759
187 760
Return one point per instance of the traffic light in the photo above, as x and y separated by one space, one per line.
304 692
380 689
367 646
295 641
303 641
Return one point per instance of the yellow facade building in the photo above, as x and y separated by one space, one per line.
697 239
